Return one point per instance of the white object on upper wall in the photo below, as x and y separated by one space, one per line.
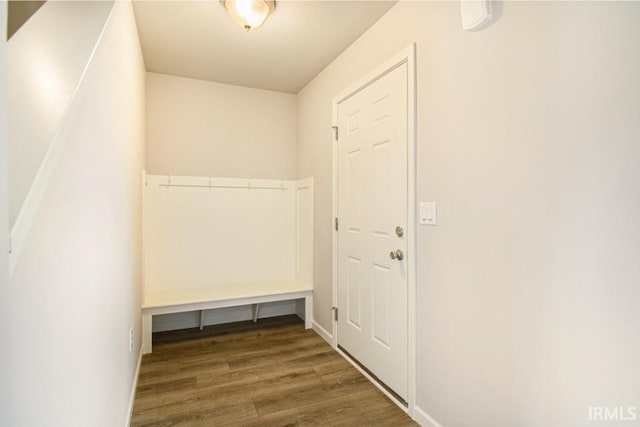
476 14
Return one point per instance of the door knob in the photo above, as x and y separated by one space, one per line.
397 254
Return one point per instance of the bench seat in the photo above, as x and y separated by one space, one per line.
205 298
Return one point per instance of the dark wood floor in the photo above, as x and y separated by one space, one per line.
273 374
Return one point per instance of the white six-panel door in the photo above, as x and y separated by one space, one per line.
372 202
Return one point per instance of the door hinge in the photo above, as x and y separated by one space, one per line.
335 313
335 131
336 223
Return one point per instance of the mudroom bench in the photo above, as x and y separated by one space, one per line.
206 298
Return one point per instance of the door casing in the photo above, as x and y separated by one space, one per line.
408 56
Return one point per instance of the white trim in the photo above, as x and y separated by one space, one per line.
304 184
334 234
405 55
134 386
224 296
424 419
209 182
408 56
143 218
412 266
324 334
20 229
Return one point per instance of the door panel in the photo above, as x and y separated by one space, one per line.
380 304
355 195
353 296
372 201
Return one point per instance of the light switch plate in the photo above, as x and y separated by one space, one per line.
428 214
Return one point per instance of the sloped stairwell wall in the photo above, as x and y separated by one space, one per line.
45 61
4 225
74 292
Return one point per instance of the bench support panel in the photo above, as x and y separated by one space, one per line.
147 329
308 312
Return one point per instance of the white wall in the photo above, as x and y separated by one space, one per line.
4 209
528 140
76 288
46 57
200 128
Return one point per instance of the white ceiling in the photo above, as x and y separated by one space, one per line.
197 39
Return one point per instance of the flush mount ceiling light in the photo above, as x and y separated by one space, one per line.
249 14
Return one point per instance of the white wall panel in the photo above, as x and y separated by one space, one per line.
235 231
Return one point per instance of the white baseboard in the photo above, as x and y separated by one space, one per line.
134 386
424 419
322 332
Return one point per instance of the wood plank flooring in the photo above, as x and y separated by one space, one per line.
274 373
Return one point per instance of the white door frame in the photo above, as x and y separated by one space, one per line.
408 56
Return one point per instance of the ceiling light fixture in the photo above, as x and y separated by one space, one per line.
249 14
